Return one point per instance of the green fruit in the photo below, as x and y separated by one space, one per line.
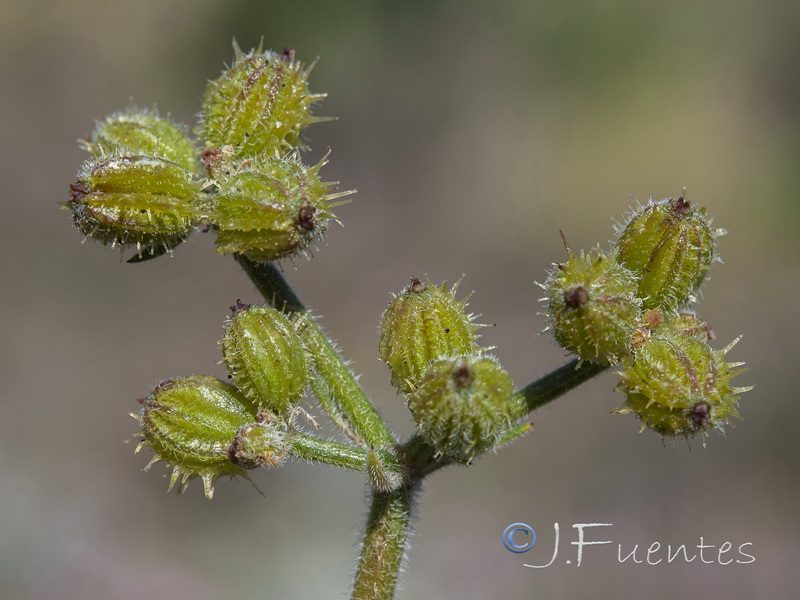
260 105
144 133
272 209
265 358
143 201
262 444
190 423
679 386
463 405
689 323
669 245
592 307
422 324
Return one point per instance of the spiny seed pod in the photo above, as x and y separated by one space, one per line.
260 105
592 307
679 386
422 324
462 405
149 202
145 133
689 323
273 208
261 444
685 323
669 245
265 357
190 423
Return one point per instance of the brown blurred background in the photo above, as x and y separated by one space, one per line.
473 131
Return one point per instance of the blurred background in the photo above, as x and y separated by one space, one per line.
473 132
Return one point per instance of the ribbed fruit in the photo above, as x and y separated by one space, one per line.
669 245
422 324
143 201
592 307
272 209
260 105
142 132
190 423
679 386
462 405
265 358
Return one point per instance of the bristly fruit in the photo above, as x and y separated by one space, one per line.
144 133
273 208
679 386
463 405
260 105
669 245
190 423
265 357
422 324
592 307
261 444
690 323
144 201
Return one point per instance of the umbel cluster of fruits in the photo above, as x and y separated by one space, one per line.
149 185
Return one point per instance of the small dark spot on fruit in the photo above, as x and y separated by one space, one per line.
447 330
680 206
239 306
416 286
577 297
700 413
77 191
306 218
462 376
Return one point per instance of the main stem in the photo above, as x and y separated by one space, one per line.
384 544
387 527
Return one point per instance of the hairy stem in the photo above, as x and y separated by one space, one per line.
384 544
345 402
333 383
310 448
557 383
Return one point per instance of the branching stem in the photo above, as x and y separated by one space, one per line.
349 408
337 388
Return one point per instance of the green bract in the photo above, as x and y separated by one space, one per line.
678 385
260 105
265 357
593 308
149 202
462 405
190 423
422 324
669 245
142 132
272 208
